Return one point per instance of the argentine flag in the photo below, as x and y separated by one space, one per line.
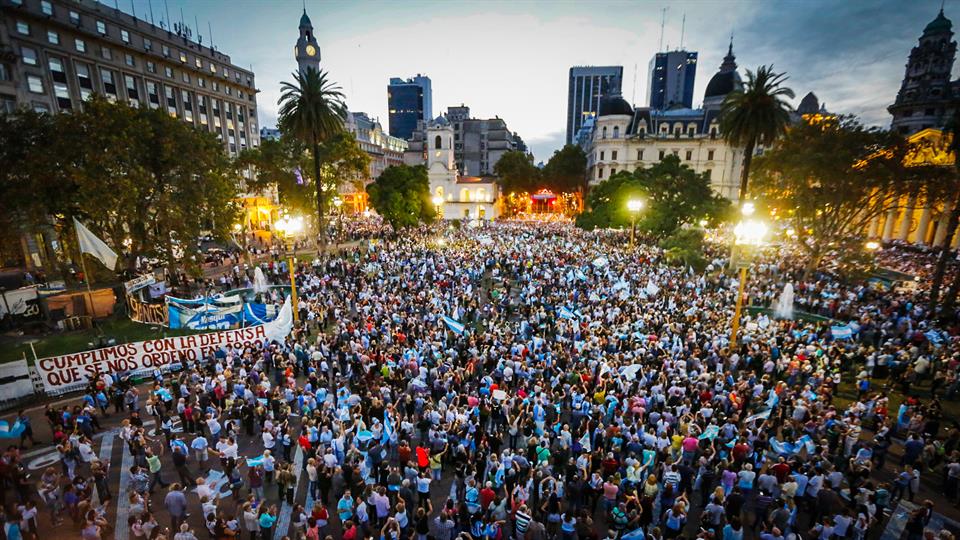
453 325
566 313
841 332
11 432
387 429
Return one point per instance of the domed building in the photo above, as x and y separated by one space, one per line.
622 137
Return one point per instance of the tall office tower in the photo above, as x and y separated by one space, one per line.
409 101
671 79
585 87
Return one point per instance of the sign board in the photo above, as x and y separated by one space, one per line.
73 371
139 282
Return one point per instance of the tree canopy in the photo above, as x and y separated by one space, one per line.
161 184
673 194
566 170
830 177
517 173
401 195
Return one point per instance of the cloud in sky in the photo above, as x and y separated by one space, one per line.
511 59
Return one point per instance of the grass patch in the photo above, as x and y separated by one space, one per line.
122 330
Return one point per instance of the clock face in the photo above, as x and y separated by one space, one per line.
311 51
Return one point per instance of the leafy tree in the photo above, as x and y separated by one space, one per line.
401 195
755 114
830 177
281 163
685 247
566 169
313 111
516 172
675 195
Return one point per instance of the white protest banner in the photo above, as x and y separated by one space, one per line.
72 371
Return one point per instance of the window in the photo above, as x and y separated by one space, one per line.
709 155
29 56
613 171
213 67
23 28
153 96
128 60
46 7
151 67
84 80
40 107
35 84
56 70
661 155
187 106
102 28
132 93
228 90
604 133
197 62
713 133
106 53
147 44
183 57
613 155
53 37
171 101
202 109
689 155
185 76
62 93
691 131
124 36
639 155
168 71
202 82
708 173
8 104
166 51
599 172
74 17
616 134
5 72
80 45
109 83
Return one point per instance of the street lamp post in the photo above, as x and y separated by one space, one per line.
437 204
748 233
634 206
338 203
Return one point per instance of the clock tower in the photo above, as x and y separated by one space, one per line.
307 50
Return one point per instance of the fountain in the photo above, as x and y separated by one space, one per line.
261 286
784 307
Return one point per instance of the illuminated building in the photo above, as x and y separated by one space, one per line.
464 197
409 103
622 137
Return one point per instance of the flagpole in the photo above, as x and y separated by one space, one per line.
86 279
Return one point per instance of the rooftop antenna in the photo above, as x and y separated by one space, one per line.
150 4
196 24
683 28
633 96
167 8
133 9
663 20
210 31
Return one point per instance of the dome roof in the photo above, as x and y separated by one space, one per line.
304 20
727 79
809 104
939 25
610 105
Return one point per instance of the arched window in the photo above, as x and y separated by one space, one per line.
438 142
616 132
439 191
604 132
481 195
464 194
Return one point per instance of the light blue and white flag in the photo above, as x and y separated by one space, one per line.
255 461
841 332
566 313
11 432
387 429
710 433
453 325
934 337
585 442
759 416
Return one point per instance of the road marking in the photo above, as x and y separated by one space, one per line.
53 449
106 450
283 519
121 530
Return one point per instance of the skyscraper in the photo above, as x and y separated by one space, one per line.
585 87
671 79
408 102
307 50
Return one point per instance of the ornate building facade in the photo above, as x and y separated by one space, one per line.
464 197
922 108
622 137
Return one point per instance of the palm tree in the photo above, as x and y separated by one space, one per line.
755 114
312 110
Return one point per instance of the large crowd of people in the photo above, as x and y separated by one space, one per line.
527 381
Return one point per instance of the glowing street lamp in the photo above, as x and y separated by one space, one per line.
747 234
437 204
872 245
634 206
